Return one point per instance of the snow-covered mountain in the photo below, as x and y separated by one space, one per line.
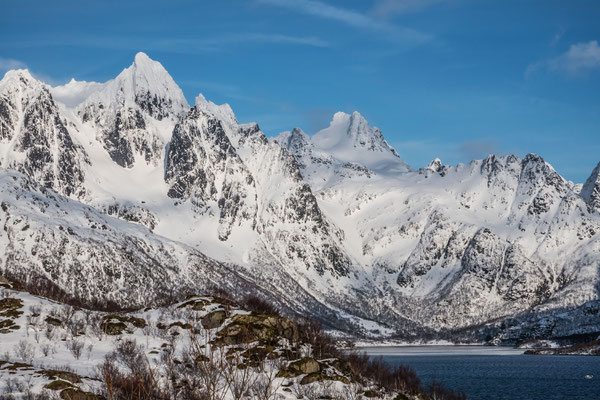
125 183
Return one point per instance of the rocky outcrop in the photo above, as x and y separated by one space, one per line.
203 167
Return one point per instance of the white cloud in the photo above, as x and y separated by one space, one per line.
580 58
277 38
8 63
351 18
388 8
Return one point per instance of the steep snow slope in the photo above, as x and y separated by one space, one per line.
91 256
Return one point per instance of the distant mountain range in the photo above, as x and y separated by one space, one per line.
120 192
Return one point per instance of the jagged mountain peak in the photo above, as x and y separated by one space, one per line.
347 127
294 141
222 112
135 112
590 192
147 84
16 82
17 75
350 138
534 167
141 59
435 165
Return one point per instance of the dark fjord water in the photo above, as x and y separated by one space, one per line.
488 373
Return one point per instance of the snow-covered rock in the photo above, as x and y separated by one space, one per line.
127 111
34 138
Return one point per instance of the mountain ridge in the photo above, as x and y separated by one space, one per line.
336 220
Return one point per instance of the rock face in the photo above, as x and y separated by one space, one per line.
591 189
126 110
336 225
36 138
203 167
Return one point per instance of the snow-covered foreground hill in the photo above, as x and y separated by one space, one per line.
201 348
120 192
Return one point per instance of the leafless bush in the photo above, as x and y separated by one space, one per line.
256 304
35 309
322 344
138 382
239 378
11 385
353 391
207 373
310 392
25 351
46 348
75 347
264 388
49 332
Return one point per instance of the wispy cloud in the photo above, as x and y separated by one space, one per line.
216 43
581 58
385 9
9 63
351 18
187 45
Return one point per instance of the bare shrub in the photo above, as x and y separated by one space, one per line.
49 332
46 348
256 304
25 351
137 382
239 378
75 347
310 392
264 387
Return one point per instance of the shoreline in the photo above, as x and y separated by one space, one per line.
439 350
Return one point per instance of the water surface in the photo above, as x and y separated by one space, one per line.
499 373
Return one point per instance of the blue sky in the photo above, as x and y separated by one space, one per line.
455 79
